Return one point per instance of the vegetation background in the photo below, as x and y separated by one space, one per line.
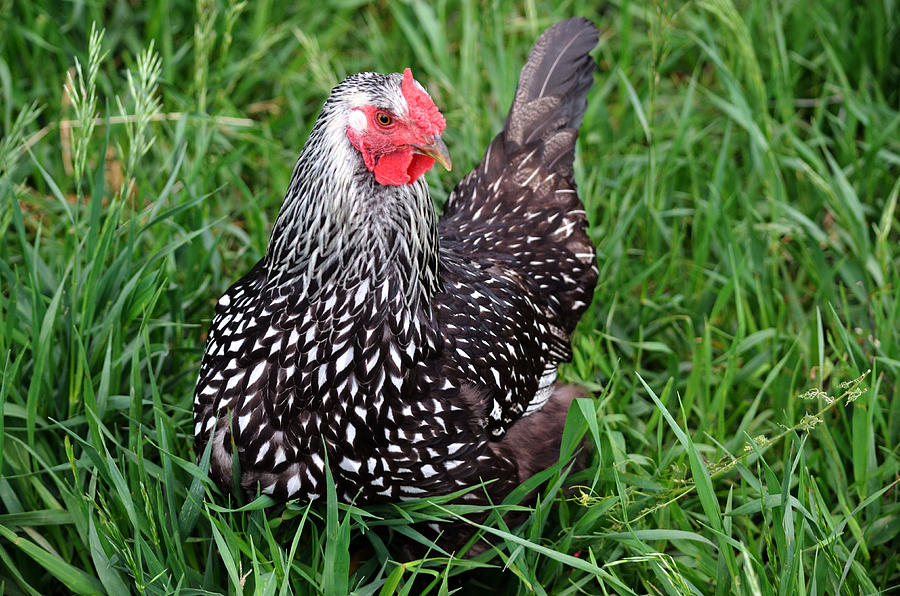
739 162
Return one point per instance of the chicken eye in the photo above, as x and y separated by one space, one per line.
384 119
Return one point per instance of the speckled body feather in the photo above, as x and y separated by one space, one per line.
419 355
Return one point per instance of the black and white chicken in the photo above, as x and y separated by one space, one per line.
419 354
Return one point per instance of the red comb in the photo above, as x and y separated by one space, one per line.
422 110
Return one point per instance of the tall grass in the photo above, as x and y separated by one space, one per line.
740 167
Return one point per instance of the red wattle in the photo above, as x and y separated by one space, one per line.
420 164
391 168
401 167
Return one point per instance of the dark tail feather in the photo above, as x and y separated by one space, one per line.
553 85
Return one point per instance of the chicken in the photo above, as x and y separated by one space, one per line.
415 356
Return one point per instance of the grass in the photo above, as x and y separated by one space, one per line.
739 164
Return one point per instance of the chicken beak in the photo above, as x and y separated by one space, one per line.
435 148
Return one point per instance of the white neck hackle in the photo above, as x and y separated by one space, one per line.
338 227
